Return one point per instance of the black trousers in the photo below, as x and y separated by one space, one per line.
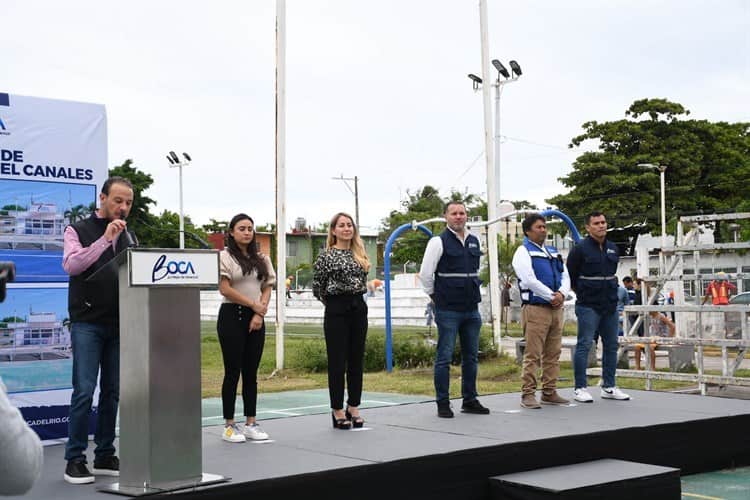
345 327
241 350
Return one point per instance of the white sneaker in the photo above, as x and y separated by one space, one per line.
614 393
583 395
233 434
254 432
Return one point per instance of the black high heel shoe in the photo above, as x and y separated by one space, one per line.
340 423
357 422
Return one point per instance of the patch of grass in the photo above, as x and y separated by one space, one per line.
305 359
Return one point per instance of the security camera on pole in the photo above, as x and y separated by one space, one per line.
174 161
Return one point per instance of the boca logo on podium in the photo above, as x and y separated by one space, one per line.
176 269
152 267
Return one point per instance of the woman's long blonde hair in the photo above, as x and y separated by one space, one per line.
357 246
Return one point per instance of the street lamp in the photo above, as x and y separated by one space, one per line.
174 161
507 77
662 169
493 174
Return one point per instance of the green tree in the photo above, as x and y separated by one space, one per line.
161 231
215 226
77 213
165 232
523 204
140 220
425 203
708 166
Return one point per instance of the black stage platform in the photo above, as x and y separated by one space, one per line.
410 453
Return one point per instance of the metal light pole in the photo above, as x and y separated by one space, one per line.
493 165
355 192
501 71
280 158
494 289
174 161
662 169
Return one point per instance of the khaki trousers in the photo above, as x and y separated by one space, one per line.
542 328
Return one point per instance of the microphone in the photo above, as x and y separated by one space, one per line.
128 237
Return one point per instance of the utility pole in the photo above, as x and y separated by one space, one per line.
355 192
492 182
280 176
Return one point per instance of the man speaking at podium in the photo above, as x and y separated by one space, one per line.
89 246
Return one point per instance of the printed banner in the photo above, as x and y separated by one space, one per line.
53 162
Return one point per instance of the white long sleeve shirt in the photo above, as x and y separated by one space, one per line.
20 450
527 277
432 255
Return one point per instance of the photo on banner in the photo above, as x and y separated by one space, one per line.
53 162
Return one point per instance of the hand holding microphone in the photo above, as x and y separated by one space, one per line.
128 238
116 227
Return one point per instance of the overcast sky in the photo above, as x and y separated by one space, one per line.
376 90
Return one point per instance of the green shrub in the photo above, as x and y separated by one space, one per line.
310 356
374 353
409 351
486 348
413 353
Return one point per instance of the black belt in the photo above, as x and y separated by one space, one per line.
549 306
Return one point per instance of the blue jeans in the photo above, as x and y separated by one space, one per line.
94 345
590 321
466 325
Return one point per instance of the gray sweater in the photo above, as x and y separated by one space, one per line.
20 450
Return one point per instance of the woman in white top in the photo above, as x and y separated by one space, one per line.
247 278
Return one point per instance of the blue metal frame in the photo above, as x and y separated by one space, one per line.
573 229
387 271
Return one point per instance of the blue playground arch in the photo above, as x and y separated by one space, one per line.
387 271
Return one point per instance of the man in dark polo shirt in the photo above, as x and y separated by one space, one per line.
89 246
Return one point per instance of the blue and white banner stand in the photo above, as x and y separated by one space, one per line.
53 162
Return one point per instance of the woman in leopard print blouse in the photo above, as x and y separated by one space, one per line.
340 282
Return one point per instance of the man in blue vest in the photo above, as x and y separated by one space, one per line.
544 284
592 265
450 276
89 245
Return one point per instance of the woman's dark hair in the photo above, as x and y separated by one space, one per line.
253 259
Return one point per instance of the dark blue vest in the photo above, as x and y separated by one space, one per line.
457 274
97 300
548 268
596 284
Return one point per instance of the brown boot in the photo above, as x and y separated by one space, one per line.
554 399
529 401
